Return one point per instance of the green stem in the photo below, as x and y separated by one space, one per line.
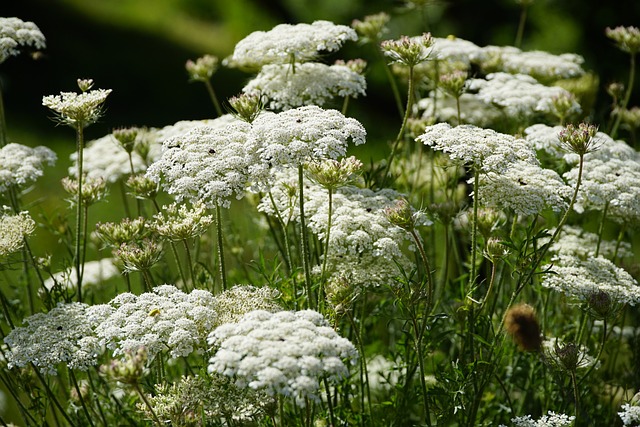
213 97
287 255
423 381
77 257
223 273
326 248
627 95
521 24
392 81
190 263
474 228
601 228
576 397
81 397
400 135
305 242
51 395
427 267
458 108
3 122
329 403
345 105
136 386
491 281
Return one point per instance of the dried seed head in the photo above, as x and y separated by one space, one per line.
522 324
203 68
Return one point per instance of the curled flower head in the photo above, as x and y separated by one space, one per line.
13 230
408 51
128 370
85 84
15 34
402 215
372 27
453 82
139 256
142 187
246 106
178 222
332 174
127 230
203 68
567 357
93 189
126 137
579 139
77 109
627 39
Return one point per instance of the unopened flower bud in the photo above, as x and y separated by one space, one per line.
332 174
627 39
93 189
126 137
579 140
373 26
128 370
203 68
601 304
453 82
142 187
355 65
246 107
408 51
85 84
401 215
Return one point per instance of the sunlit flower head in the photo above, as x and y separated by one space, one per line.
13 230
21 165
16 34
77 109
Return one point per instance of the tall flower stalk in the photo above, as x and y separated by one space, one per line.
78 111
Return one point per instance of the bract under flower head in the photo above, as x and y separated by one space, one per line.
287 43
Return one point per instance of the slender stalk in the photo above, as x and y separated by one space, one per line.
190 263
521 24
223 274
285 234
458 109
51 395
423 381
491 281
77 257
136 386
305 242
3 122
427 267
392 81
345 105
474 228
576 397
627 95
80 396
214 98
326 248
601 228
400 135
329 403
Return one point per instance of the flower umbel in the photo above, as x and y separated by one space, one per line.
579 139
77 109
408 51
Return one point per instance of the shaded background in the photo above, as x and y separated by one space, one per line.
138 47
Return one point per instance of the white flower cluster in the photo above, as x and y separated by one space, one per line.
105 158
519 95
363 246
611 184
575 241
305 134
550 420
165 319
63 335
525 188
630 415
582 278
286 353
545 138
542 66
21 165
77 108
234 303
473 110
94 274
179 222
456 50
207 164
16 33
482 148
312 83
13 230
287 43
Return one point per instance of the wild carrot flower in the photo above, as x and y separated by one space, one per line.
234 303
166 319
13 230
566 356
139 256
312 84
372 27
64 335
627 39
519 95
551 419
202 68
285 353
630 414
481 148
127 230
93 189
408 51
77 109
575 241
581 278
332 174
21 165
287 43
16 34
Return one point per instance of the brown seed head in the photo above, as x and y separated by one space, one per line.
522 324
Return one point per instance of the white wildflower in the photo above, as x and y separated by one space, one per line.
482 148
178 222
456 50
285 353
166 319
311 84
63 335
582 278
630 414
611 184
575 241
473 110
304 134
525 188
550 420
94 274
21 165
77 109
287 43
234 303
13 230
521 96
208 164
16 34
